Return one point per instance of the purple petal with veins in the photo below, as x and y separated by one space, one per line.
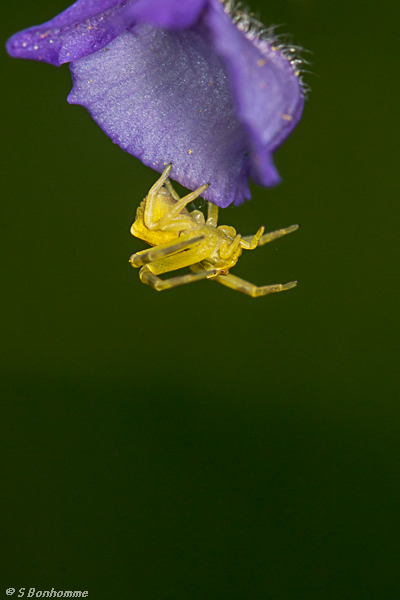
184 82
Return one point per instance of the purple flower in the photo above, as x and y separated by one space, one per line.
194 82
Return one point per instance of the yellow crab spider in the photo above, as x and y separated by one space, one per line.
182 239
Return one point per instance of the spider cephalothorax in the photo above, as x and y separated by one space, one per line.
182 239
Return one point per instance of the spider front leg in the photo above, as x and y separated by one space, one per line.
171 190
170 216
146 276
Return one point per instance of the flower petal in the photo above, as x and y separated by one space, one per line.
266 89
83 28
163 96
173 14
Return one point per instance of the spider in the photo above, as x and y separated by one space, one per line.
182 239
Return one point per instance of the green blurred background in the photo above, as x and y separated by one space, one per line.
197 443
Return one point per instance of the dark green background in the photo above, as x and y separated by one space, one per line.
199 444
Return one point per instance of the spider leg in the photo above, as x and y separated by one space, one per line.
226 251
250 243
212 214
158 284
171 190
192 255
150 201
176 209
272 235
150 255
240 285
172 213
160 182
196 215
